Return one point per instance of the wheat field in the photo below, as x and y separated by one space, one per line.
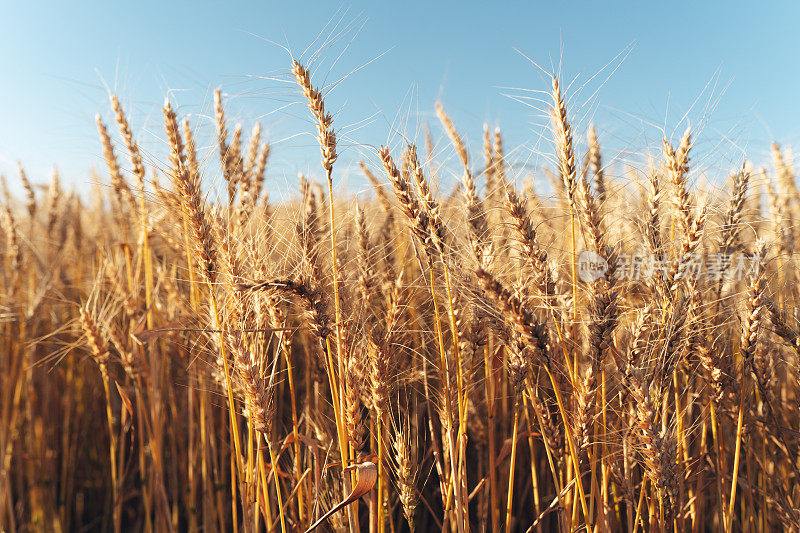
618 355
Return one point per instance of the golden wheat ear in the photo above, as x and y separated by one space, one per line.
190 197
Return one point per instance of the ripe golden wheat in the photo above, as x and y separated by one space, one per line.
416 361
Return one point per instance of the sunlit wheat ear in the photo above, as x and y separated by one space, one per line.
732 224
326 137
249 193
697 321
498 159
716 376
13 252
532 332
187 186
258 392
382 375
534 255
691 243
235 149
229 260
310 299
406 469
658 448
137 166
4 189
784 175
476 212
258 174
131 362
226 155
124 197
250 158
779 215
488 164
603 314
677 164
192 165
564 146
591 217
733 217
673 332
596 166
755 305
458 143
638 343
426 200
652 222
789 196
552 431
53 202
94 339
30 203
409 204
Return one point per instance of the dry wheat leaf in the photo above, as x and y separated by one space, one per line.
367 476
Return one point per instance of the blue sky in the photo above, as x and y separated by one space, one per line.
729 68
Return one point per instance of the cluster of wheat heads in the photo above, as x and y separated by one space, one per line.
400 361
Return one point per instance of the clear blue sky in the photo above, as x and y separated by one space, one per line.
737 58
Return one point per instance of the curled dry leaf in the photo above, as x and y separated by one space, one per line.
367 476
